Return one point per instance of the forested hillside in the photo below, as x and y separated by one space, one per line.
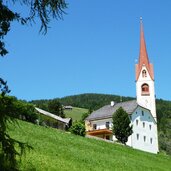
95 101
90 100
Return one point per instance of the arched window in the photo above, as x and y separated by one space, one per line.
145 89
144 73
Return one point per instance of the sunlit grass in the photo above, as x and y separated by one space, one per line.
76 113
61 151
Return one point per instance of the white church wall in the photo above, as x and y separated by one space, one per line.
129 142
144 135
147 101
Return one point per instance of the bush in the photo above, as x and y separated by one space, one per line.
78 128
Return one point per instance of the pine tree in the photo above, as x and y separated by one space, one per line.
55 107
121 125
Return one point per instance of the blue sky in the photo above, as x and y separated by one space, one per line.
93 50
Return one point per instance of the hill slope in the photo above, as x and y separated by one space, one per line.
95 101
76 113
56 150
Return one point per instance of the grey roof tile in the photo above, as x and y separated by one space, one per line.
108 110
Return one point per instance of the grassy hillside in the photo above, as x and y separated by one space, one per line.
76 113
56 150
95 101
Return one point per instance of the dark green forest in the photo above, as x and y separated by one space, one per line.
89 100
95 101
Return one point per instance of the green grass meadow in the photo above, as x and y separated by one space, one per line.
76 113
60 151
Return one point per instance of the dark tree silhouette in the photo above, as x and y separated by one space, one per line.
8 151
121 125
44 10
55 107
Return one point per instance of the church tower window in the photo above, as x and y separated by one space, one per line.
144 73
145 89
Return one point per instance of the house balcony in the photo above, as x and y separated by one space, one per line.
101 133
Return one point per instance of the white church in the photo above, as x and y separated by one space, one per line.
142 111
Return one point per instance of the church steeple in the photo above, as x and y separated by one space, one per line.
145 89
143 55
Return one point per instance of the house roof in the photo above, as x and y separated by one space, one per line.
64 120
108 110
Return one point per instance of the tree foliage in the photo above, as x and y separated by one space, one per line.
85 115
89 101
9 147
44 10
164 125
121 125
55 107
78 128
24 110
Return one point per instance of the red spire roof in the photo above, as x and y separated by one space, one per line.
143 56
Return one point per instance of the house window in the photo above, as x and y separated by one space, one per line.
150 127
142 113
137 136
94 126
144 138
144 73
151 140
107 125
143 124
137 122
145 89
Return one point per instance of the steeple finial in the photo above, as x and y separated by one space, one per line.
140 19
141 24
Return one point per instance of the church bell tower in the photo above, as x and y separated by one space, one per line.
145 77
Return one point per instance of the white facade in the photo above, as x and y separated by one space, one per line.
144 136
145 139
146 100
101 124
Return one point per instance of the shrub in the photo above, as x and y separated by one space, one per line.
78 128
